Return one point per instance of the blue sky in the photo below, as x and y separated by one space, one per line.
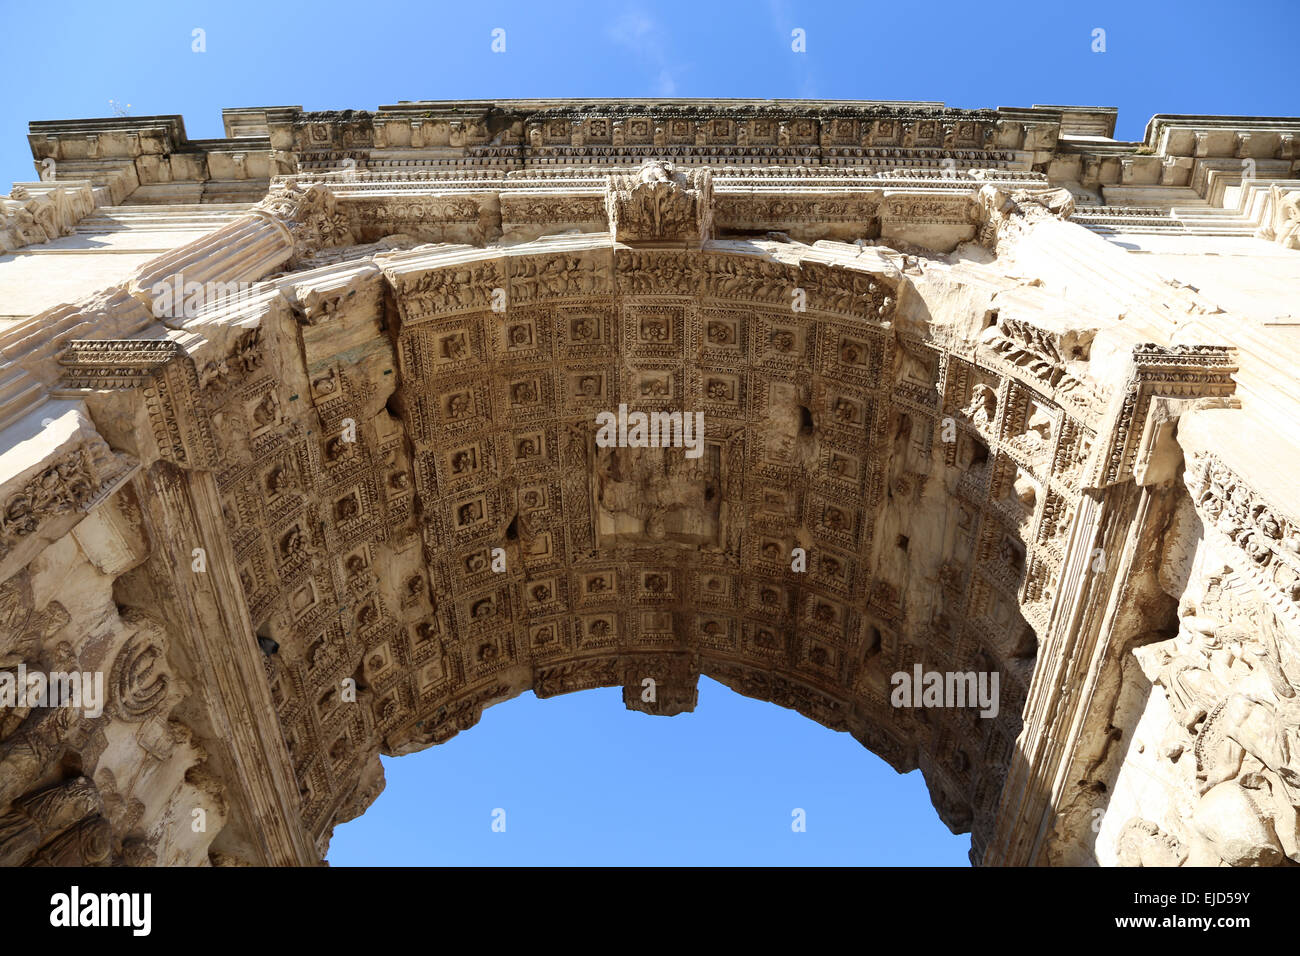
581 779
584 781
1170 57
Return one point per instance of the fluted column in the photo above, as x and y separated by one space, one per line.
292 222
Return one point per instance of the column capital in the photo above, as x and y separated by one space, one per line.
309 216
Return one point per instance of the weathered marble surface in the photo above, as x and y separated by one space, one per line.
982 391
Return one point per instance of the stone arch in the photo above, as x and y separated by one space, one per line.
927 511
391 450
921 364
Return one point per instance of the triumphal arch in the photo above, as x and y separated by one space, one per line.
299 457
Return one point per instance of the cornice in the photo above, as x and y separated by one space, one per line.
488 138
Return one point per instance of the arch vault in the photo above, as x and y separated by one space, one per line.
326 482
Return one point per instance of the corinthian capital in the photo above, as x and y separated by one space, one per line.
311 216
1005 215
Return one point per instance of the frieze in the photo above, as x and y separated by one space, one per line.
72 483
